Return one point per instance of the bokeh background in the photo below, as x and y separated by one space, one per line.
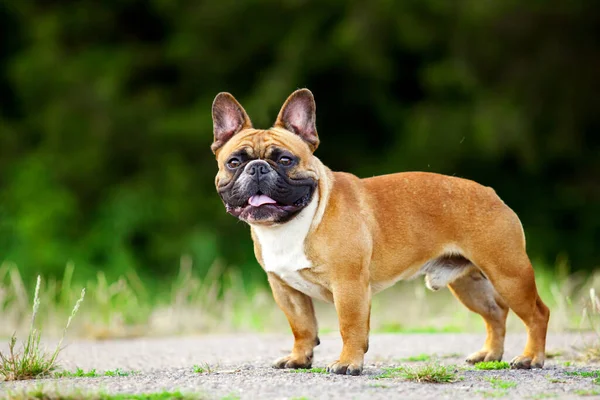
105 121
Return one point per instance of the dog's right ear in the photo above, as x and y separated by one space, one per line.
229 117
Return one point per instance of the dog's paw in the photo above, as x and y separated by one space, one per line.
526 362
342 368
484 355
293 361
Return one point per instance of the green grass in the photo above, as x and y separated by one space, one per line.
423 357
451 355
32 362
430 373
378 385
231 397
567 363
584 374
500 387
42 394
493 393
492 365
498 383
543 396
118 372
399 328
203 368
80 373
587 392
125 307
420 357
590 350
309 370
550 354
222 298
555 380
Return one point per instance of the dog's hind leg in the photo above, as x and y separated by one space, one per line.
513 279
476 292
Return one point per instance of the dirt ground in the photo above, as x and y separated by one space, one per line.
240 367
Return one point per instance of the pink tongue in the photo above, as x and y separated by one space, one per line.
260 199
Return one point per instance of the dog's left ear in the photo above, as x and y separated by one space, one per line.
298 115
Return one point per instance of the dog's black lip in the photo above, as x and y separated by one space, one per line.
291 208
292 182
298 203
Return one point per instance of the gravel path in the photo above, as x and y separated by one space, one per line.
241 368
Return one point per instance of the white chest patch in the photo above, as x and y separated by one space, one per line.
282 250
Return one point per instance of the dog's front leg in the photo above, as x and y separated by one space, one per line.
298 308
352 300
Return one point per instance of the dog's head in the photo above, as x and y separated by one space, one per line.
265 176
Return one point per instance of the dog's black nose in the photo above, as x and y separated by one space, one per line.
258 168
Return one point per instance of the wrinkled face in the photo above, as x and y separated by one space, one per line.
262 179
265 176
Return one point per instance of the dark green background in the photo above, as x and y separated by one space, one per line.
106 126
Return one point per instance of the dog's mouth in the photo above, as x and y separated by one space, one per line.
260 204
259 200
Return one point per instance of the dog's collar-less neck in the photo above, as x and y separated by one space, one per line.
308 213
322 193
282 246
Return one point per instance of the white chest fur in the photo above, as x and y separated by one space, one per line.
282 249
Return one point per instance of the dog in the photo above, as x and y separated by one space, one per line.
331 236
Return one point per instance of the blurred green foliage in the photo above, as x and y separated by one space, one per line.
105 121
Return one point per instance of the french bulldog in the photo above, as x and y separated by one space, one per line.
331 236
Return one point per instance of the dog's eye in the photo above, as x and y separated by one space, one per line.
285 161
234 163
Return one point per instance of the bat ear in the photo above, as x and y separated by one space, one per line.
229 117
298 115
